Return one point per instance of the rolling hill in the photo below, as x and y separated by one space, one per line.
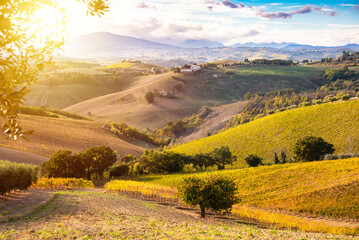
336 122
129 106
52 134
209 87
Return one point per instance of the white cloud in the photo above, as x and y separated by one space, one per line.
174 21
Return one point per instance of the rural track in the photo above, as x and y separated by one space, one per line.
45 97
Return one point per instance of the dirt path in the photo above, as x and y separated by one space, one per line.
21 203
93 214
45 97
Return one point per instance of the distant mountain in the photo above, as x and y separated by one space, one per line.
104 43
300 46
196 43
261 45
352 46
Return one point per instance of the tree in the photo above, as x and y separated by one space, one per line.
162 162
59 164
202 161
101 158
283 157
26 47
311 148
222 156
216 193
276 159
64 164
253 160
150 97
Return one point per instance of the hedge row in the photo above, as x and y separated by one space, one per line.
16 176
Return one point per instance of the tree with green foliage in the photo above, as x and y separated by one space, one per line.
150 97
222 156
216 193
333 74
202 161
312 148
253 160
60 164
162 162
26 48
101 158
119 170
81 165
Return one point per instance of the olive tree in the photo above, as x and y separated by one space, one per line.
312 148
26 49
215 193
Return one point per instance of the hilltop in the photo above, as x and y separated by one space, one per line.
52 134
336 122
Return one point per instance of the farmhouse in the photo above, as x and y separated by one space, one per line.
191 68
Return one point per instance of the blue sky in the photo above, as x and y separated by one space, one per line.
328 23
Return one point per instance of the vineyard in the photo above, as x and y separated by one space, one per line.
335 122
285 195
62 183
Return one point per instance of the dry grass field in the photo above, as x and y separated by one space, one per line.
98 215
52 134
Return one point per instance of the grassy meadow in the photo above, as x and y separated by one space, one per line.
336 123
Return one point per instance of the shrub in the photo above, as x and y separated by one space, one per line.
312 148
216 193
150 97
119 170
253 160
341 156
16 176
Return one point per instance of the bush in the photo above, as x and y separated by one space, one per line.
216 193
253 160
312 148
16 176
119 170
341 156
150 97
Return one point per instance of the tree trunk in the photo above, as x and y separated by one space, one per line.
203 213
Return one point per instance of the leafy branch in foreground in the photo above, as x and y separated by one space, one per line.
26 48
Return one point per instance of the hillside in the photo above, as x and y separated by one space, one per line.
52 134
336 122
208 87
93 214
129 106
315 189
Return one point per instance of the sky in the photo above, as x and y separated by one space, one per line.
319 23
